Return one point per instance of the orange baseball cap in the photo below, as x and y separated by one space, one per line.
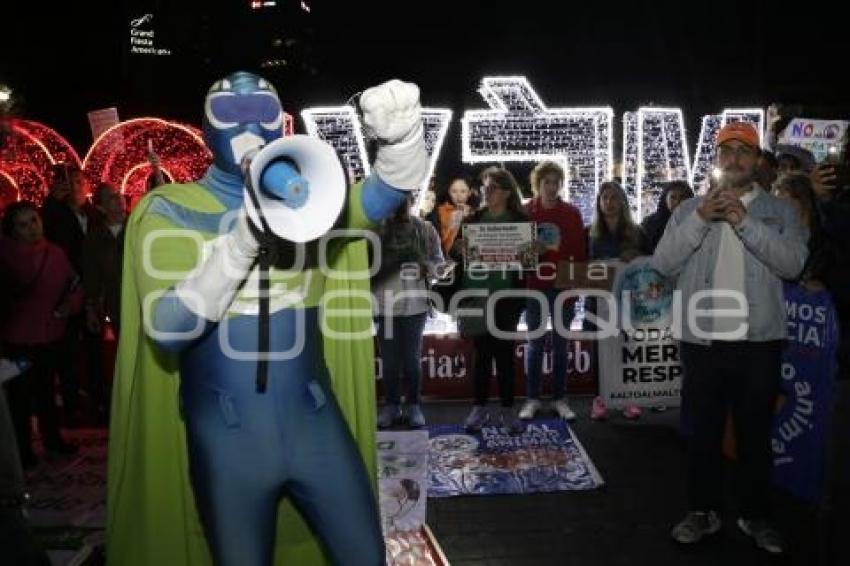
744 132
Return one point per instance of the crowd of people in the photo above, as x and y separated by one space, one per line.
60 272
771 217
60 268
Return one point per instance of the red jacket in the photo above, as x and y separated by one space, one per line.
34 292
561 228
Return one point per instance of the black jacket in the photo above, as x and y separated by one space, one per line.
62 227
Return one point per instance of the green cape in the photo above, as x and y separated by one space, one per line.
151 514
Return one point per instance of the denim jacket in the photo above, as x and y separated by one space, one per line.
774 249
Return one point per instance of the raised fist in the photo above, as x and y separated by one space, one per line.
392 111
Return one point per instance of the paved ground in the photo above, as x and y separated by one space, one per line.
626 522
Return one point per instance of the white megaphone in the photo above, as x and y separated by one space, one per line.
321 189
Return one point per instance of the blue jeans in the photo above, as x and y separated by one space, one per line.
401 352
534 355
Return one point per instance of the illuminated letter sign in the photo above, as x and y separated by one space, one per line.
519 127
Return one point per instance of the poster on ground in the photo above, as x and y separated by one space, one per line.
546 457
402 478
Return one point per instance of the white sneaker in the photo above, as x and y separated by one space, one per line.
529 409
765 536
695 527
563 409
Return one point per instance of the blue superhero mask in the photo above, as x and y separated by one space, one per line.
242 112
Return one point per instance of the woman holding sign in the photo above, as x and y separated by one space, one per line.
503 205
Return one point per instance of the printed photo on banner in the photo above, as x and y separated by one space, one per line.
641 364
402 478
500 246
546 457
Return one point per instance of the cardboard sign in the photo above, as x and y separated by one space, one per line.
818 136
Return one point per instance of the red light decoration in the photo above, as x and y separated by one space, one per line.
8 191
29 152
120 155
58 146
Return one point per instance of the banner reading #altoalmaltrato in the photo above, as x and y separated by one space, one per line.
808 372
641 364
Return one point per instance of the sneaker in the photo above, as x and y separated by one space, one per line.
766 537
632 412
563 409
695 526
598 411
529 409
511 423
389 415
415 418
476 419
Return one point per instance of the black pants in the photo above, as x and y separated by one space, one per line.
77 337
741 377
489 348
34 391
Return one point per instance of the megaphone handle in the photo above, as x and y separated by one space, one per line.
263 343
264 261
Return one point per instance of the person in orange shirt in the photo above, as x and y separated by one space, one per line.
454 209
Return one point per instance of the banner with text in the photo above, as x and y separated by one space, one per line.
817 136
808 371
500 245
545 457
448 365
641 364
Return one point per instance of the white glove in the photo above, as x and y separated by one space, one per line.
209 290
393 113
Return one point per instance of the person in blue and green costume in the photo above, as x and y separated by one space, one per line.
208 461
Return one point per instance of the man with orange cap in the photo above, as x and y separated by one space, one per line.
731 250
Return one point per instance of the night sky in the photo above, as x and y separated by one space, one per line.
64 61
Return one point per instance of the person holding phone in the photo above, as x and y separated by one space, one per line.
733 246
453 208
